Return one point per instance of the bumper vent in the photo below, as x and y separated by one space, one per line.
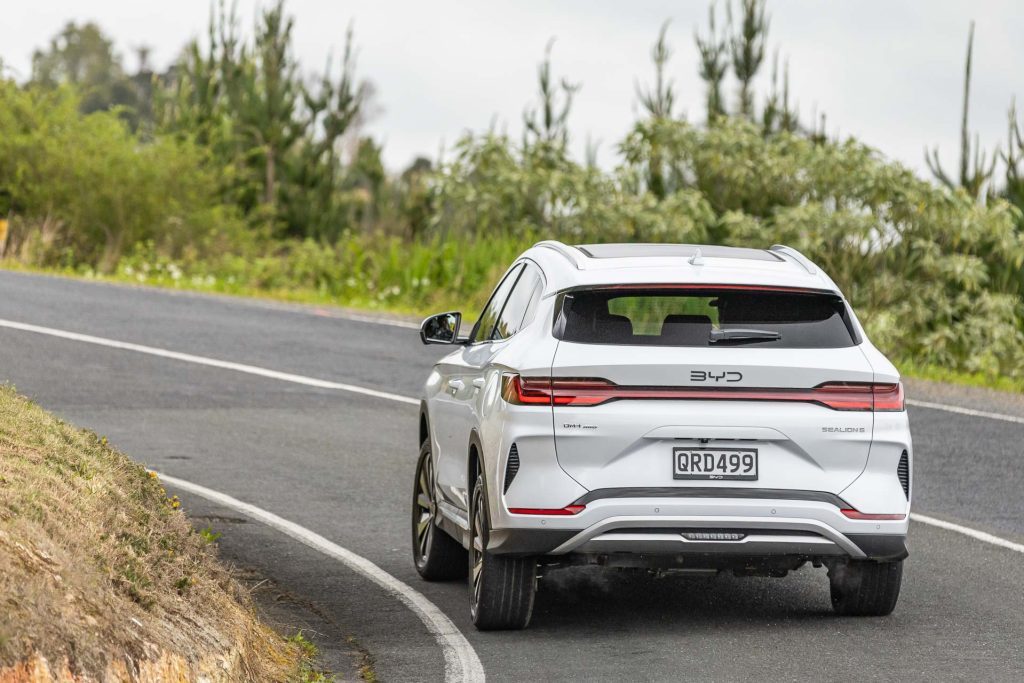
511 466
903 472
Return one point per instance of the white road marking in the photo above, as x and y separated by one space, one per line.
965 411
211 362
460 659
967 531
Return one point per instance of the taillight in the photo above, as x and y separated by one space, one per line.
567 510
878 397
523 391
857 514
889 397
560 392
595 391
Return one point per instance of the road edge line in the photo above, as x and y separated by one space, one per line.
964 411
461 663
209 362
968 531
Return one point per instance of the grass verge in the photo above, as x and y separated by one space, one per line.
103 577
935 373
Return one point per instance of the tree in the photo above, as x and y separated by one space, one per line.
747 48
975 169
714 63
334 112
777 114
547 127
83 57
1013 157
277 136
658 101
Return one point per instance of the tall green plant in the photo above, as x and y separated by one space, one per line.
277 137
975 170
747 50
714 55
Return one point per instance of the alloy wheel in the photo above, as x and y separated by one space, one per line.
425 511
476 548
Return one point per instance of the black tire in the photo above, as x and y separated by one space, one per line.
862 588
501 589
438 556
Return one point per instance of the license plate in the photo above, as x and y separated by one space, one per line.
715 463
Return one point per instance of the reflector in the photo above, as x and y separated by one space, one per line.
567 510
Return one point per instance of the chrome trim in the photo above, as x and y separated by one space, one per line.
754 545
743 493
453 514
778 526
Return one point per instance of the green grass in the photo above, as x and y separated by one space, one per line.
909 368
308 672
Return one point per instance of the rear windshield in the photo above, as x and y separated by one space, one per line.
706 317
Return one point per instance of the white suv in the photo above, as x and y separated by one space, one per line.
665 407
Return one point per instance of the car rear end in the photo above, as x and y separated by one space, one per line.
709 426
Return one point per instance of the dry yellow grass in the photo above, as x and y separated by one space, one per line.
103 578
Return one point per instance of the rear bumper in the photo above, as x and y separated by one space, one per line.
710 527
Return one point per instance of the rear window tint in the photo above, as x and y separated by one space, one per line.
770 319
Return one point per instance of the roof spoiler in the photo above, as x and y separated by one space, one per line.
783 250
574 255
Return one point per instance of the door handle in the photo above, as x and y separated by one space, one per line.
456 384
479 382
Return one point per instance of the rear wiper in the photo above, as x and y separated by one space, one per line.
738 334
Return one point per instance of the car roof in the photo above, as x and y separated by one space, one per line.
585 265
674 250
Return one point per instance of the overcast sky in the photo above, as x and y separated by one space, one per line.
888 71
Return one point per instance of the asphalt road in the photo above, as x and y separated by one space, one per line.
340 464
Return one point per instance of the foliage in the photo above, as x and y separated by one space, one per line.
83 57
255 180
277 138
359 270
975 171
83 189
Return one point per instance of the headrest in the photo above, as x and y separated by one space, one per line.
686 330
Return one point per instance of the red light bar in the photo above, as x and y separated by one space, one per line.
889 397
594 391
856 514
567 510
523 391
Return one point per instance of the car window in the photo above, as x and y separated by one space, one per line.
485 325
531 308
708 317
510 320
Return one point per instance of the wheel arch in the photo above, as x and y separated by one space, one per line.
424 422
474 460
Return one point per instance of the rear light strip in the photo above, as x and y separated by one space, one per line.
857 514
591 392
576 509
567 510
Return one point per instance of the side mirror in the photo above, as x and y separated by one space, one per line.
442 328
